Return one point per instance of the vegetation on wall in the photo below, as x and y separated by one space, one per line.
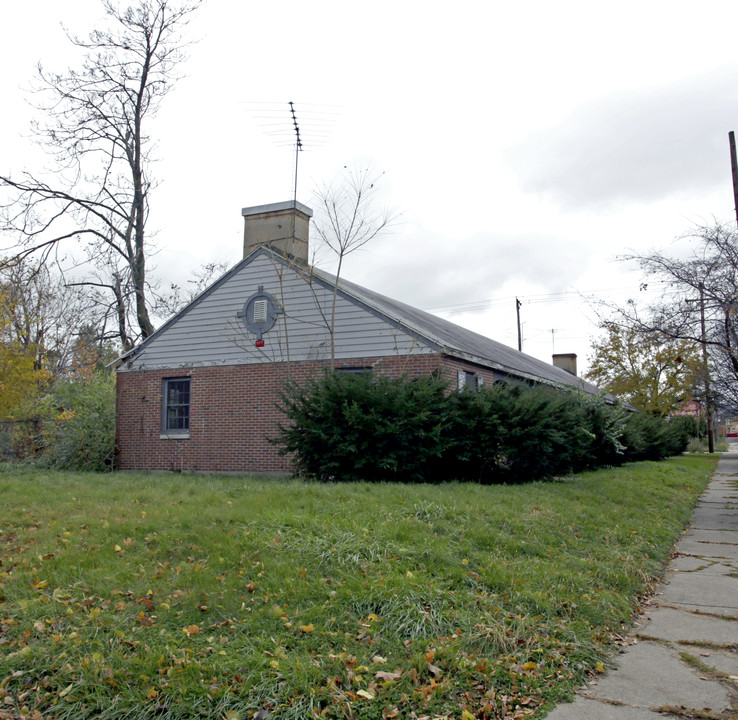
365 427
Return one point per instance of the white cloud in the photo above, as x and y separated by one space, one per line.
632 147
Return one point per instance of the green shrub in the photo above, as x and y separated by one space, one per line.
543 434
606 424
682 428
365 427
78 429
473 447
511 433
650 437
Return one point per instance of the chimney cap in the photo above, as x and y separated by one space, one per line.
277 207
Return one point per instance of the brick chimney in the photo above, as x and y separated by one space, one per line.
566 361
284 226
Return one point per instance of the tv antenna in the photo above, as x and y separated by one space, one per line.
312 132
298 145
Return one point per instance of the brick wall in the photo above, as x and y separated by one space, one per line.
233 412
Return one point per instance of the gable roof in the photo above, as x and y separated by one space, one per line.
442 335
455 340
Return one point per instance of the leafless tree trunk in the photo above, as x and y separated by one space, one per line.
95 131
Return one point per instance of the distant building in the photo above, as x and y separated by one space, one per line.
201 393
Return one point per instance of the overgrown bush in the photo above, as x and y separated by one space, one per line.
78 427
512 433
362 426
539 433
366 427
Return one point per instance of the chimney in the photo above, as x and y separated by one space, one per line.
282 226
566 361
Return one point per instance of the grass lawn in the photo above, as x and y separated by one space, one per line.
175 596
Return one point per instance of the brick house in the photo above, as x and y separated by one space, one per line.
200 394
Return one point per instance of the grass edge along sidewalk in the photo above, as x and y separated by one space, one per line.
171 596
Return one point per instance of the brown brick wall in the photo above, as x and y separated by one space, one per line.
233 413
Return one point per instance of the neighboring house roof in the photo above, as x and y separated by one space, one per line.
441 335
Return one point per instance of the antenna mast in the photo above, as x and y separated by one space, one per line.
298 145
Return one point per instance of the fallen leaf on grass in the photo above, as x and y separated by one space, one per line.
365 694
307 628
600 667
191 630
387 676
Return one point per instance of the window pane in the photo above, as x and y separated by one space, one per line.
177 404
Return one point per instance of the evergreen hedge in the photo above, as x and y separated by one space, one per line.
345 426
364 427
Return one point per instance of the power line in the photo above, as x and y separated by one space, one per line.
489 303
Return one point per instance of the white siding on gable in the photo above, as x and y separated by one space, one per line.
209 332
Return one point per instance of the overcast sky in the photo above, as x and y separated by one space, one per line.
526 144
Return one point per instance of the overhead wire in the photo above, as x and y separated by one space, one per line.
490 303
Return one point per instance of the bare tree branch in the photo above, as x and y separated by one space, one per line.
95 133
705 283
347 218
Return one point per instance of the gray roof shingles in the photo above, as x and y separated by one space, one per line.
457 341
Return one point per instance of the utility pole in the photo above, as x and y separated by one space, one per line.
734 168
708 403
520 335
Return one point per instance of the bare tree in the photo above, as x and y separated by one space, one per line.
699 304
348 218
96 133
177 296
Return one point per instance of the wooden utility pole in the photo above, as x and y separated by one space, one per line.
734 168
520 335
708 403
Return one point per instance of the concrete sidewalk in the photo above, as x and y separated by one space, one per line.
682 659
